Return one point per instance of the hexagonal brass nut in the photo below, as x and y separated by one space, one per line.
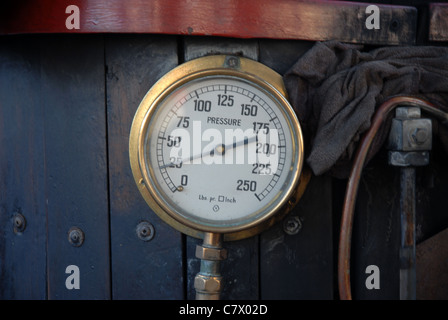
205 253
207 284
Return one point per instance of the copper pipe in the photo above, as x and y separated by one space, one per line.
353 183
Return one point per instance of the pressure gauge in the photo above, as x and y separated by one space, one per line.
216 147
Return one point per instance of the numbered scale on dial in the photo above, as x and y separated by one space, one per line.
216 147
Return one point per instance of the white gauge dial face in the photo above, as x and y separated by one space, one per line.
220 151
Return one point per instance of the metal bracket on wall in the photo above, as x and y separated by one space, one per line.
410 140
346 228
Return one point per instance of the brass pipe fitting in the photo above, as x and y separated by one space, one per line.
208 282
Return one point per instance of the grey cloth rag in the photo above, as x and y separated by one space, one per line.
335 89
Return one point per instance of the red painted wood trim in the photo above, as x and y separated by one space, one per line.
279 19
438 22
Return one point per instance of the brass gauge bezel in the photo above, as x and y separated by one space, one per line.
211 66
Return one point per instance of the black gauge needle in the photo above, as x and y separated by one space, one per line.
219 149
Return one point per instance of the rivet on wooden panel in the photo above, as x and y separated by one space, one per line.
76 237
19 223
145 231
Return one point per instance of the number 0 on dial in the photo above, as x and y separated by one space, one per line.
216 147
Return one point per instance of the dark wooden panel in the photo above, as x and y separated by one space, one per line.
76 163
431 190
279 19
140 270
22 187
300 266
280 55
376 231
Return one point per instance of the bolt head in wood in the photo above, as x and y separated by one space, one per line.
19 223
75 236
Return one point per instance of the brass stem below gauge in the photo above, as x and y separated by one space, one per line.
208 282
